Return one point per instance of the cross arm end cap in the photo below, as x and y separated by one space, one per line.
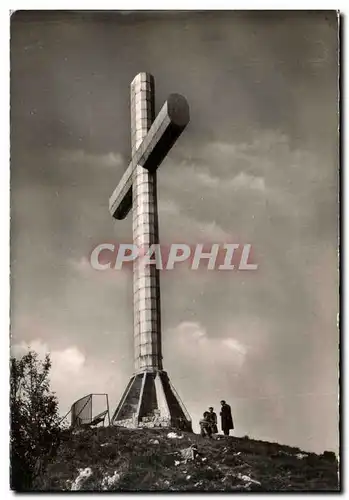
178 110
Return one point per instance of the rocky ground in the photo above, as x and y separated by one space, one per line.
112 458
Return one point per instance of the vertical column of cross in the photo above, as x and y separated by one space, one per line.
146 285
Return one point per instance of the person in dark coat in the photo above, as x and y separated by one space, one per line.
212 416
226 418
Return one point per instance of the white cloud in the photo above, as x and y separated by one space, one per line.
72 374
208 180
247 181
168 206
240 181
235 345
80 156
193 342
69 360
117 278
202 368
66 363
173 221
81 265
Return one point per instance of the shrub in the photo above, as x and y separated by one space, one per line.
34 419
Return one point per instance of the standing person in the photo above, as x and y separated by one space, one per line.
226 418
212 416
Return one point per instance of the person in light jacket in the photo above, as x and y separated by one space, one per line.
205 426
212 416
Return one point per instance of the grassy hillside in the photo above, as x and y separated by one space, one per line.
120 459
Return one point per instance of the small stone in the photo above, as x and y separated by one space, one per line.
79 481
247 479
109 481
173 435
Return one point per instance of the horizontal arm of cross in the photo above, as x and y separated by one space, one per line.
165 130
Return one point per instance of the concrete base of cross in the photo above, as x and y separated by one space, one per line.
150 400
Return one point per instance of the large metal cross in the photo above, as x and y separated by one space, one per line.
151 141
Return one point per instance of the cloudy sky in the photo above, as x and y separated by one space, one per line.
257 164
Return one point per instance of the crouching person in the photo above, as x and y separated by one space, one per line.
205 426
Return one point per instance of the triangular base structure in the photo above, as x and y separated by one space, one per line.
150 400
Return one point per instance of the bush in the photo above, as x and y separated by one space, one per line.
34 419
